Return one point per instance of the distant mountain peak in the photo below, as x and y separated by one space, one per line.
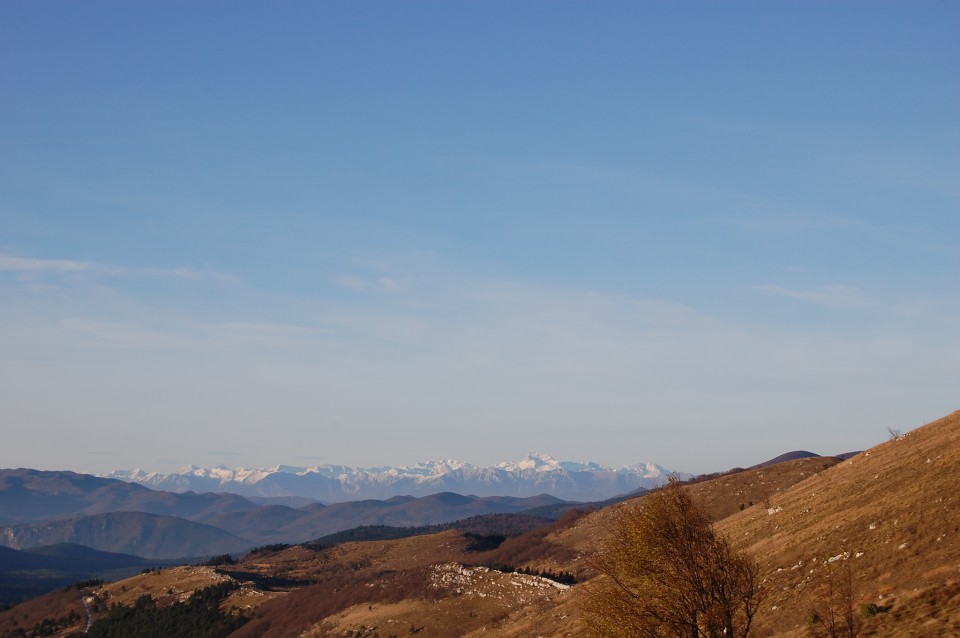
288 469
533 461
535 474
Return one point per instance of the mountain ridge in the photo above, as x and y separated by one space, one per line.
28 495
134 533
533 475
42 507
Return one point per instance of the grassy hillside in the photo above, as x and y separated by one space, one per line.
890 514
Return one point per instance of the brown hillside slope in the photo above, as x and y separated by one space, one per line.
444 600
891 513
52 607
720 497
571 548
413 585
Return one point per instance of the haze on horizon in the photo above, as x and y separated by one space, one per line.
377 233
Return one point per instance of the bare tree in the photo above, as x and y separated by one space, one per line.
831 610
665 572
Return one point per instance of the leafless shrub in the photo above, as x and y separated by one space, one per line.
831 607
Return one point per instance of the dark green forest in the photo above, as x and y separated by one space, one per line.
199 617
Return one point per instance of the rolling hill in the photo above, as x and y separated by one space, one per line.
25 574
230 525
31 495
890 514
286 525
136 533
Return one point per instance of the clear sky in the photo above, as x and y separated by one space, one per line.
694 233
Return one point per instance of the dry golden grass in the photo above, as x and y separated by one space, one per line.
165 586
297 563
892 512
726 495
57 604
472 602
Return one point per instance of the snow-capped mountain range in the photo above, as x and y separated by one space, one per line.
535 474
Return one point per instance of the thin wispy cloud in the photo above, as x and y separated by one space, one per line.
630 183
906 167
240 334
525 358
184 335
369 284
837 297
28 265
941 183
124 334
792 223
191 274
40 266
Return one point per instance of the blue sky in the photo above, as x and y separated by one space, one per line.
251 233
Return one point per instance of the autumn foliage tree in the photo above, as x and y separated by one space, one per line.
665 572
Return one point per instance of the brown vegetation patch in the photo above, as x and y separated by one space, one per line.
306 607
468 601
534 550
51 606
